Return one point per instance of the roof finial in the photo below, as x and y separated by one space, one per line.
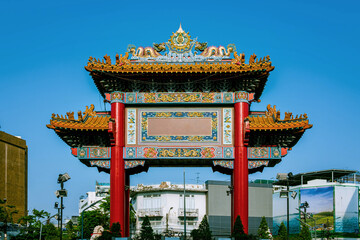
180 30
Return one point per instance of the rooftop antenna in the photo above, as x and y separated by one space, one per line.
197 177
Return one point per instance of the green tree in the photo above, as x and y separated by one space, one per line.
282 233
204 232
71 232
38 221
146 232
6 214
115 231
132 216
305 233
50 232
195 234
157 236
263 231
92 219
238 231
105 205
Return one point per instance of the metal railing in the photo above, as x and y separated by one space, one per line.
150 212
190 212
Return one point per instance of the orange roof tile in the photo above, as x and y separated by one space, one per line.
236 65
89 120
271 121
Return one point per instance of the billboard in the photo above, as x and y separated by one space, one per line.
280 212
333 207
321 205
346 209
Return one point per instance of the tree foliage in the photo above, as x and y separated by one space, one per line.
115 231
6 214
92 219
71 232
105 205
203 232
195 234
101 217
305 233
238 231
146 231
263 231
50 232
282 233
33 224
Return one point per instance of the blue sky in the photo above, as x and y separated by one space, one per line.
45 45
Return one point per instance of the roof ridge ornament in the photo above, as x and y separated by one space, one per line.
272 112
180 30
180 42
81 116
180 46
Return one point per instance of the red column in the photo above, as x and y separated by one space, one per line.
240 172
232 203
117 167
127 206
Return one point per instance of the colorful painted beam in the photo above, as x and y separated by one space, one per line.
178 153
251 164
104 153
106 164
222 163
179 97
136 156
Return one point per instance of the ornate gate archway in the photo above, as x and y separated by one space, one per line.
187 107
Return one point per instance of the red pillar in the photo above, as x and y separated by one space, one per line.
127 206
240 172
117 167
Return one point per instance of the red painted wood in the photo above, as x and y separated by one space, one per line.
74 152
240 173
117 168
127 206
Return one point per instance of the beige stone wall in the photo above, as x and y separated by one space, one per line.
13 172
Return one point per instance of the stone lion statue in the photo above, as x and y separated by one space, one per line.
98 230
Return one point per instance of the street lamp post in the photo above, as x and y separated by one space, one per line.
167 221
56 206
62 193
184 208
41 224
304 206
286 177
287 209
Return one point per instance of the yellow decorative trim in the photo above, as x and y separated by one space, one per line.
236 65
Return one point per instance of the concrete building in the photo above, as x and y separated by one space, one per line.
218 206
14 173
102 190
164 205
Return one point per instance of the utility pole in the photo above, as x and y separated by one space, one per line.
184 208
287 210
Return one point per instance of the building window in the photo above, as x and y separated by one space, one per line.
190 201
152 201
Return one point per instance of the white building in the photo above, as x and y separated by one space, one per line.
102 190
164 205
